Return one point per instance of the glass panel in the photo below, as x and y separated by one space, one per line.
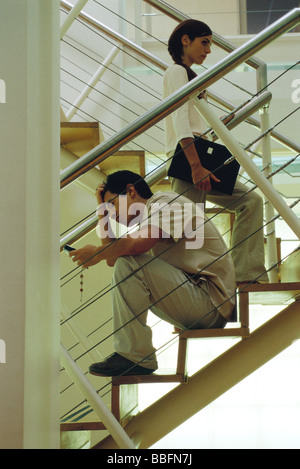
262 14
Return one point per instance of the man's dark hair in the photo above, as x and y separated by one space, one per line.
117 183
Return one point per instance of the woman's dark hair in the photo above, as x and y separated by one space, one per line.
193 28
117 183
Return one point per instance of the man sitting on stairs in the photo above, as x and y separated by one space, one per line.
176 264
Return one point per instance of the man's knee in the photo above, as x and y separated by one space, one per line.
126 265
121 269
255 200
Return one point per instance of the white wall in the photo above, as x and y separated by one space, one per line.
29 200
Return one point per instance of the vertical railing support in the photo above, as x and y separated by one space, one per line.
271 257
72 17
107 418
79 334
92 83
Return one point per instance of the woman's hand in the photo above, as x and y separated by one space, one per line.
200 175
201 178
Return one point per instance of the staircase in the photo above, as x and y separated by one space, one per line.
253 348
125 390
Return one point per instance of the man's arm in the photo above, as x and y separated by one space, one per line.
131 245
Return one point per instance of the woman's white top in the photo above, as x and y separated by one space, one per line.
185 121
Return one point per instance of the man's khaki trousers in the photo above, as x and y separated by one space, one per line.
143 282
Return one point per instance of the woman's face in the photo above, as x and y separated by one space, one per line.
196 50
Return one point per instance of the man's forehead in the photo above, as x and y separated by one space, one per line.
109 197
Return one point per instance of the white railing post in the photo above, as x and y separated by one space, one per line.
72 16
92 83
270 232
78 333
107 418
240 154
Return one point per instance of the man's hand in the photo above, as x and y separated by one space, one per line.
99 192
86 256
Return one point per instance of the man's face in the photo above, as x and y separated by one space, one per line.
121 205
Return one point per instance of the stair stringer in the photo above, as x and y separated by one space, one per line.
216 378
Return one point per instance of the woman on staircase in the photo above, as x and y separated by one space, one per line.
189 44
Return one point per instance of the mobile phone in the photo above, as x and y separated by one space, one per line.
68 248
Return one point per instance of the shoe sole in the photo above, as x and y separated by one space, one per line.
107 374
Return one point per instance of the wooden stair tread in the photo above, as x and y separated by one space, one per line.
81 426
211 333
80 137
133 160
76 131
273 287
271 293
160 376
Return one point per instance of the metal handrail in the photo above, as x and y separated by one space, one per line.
168 105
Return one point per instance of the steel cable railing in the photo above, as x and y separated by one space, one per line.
161 64
97 26
165 66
